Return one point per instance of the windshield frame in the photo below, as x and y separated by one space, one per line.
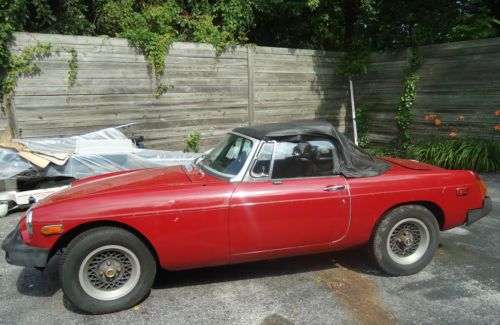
238 177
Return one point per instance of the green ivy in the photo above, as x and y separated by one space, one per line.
73 69
22 64
13 16
161 89
363 125
153 27
403 114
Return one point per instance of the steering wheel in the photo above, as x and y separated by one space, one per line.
235 166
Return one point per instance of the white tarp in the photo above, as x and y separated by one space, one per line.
114 152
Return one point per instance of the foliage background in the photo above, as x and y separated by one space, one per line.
354 26
318 24
357 27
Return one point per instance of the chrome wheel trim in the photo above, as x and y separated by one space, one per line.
408 241
109 281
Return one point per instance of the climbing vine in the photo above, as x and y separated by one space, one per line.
152 28
161 89
22 64
73 69
403 113
363 125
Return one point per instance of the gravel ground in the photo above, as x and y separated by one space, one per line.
461 285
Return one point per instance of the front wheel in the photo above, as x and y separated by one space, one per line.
405 240
106 269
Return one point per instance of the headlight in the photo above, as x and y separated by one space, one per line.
29 225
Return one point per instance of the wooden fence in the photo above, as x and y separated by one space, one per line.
207 93
459 83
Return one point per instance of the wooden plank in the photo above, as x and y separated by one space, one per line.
260 50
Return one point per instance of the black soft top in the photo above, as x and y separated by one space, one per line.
354 161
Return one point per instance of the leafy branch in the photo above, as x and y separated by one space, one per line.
73 69
22 64
403 114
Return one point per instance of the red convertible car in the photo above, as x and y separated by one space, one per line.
264 192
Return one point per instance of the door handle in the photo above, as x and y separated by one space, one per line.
334 188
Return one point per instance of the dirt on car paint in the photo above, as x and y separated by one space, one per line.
357 293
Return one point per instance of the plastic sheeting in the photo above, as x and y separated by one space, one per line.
82 163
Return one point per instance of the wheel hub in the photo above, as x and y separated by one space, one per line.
109 270
405 239
408 241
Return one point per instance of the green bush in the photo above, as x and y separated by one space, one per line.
380 152
477 155
193 142
363 125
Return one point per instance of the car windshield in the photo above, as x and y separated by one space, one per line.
229 156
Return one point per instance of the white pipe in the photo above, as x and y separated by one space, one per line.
353 108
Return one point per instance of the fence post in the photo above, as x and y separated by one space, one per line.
10 112
251 105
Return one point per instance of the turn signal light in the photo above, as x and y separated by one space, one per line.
484 189
52 230
482 186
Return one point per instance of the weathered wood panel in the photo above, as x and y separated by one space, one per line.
459 83
379 91
299 84
208 93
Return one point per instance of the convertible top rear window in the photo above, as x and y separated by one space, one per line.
354 162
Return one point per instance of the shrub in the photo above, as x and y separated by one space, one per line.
477 155
363 125
193 142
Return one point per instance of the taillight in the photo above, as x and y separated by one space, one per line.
482 186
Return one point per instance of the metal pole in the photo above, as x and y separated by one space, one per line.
353 108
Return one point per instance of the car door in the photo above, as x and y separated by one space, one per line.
294 196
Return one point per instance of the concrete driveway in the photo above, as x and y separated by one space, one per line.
461 285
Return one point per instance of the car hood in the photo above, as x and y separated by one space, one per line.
130 181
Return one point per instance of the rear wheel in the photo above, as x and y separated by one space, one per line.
106 269
405 240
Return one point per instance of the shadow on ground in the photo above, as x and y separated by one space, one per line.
355 260
32 282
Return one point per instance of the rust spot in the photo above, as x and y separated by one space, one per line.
357 293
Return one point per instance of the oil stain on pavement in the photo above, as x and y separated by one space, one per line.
357 293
